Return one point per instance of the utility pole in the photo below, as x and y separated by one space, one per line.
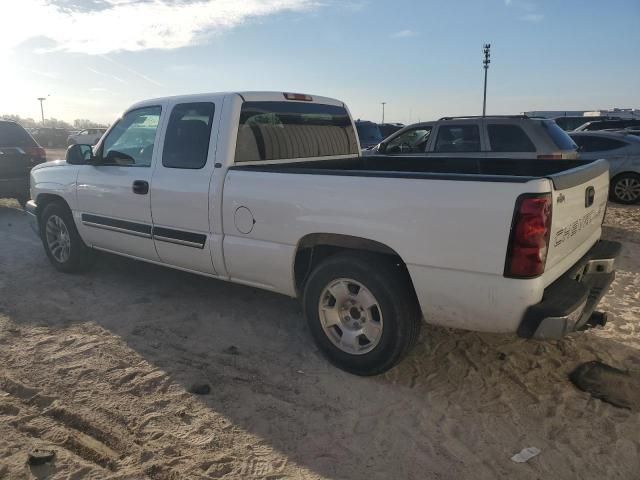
487 56
42 99
383 104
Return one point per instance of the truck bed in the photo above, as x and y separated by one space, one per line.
563 173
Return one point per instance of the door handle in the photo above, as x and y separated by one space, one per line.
140 187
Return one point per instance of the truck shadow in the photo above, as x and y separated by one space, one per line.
459 406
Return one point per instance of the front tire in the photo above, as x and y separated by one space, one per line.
62 243
362 312
625 188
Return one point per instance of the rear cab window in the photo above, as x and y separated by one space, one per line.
560 138
277 130
186 143
509 138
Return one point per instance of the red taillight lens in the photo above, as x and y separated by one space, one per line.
529 241
37 152
298 96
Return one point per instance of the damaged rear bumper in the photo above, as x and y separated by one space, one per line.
569 302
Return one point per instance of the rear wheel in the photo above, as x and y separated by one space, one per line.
625 188
362 312
62 243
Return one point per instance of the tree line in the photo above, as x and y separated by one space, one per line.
78 123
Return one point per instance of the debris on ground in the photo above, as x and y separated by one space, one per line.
526 454
609 384
40 456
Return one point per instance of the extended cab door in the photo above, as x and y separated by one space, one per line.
114 208
181 185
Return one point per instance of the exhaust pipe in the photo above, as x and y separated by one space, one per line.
598 319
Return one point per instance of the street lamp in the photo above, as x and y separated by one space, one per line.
486 50
383 104
42 99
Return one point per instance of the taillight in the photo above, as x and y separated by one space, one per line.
37 152
298 96
529 239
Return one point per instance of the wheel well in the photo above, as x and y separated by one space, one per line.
45 199
629 172
314 248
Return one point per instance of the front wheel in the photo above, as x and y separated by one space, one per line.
625 188
362 312
62 243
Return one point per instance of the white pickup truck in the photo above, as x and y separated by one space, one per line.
268 189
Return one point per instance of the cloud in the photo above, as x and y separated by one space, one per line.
404 34
532 17
107 75
105 26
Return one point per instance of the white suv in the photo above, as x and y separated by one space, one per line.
479 137
88 136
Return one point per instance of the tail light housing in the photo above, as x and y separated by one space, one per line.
37 152
529 238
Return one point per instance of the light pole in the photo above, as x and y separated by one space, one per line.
42 99
486 49
383 104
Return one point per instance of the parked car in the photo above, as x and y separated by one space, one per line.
387 129
618 124
88 136
267 189
51 137
571 122
623 153
501 136
368 133
19 152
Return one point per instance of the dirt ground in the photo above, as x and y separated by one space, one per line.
98 367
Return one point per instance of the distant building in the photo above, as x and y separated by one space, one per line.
613 112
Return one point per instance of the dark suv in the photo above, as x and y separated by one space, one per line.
19 152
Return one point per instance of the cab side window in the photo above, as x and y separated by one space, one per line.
458 139
411 141
186 144
131 141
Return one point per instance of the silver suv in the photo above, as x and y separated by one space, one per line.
504 136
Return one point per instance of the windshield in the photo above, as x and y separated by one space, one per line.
560 137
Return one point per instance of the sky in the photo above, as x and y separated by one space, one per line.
94 58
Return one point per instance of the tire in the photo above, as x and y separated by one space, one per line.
625 188
384 333
62 243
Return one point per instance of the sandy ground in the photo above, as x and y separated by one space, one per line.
98 367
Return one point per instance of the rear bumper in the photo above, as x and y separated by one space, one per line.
32 211
567 304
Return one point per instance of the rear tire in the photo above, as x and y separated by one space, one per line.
362 312
62 243
625 188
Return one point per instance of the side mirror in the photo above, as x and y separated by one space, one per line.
79 154
381 147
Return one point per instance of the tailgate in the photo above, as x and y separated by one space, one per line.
579 204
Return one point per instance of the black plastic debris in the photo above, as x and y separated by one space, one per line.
40 456
609 384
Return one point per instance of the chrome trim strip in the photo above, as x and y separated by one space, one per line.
178 242
116 229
